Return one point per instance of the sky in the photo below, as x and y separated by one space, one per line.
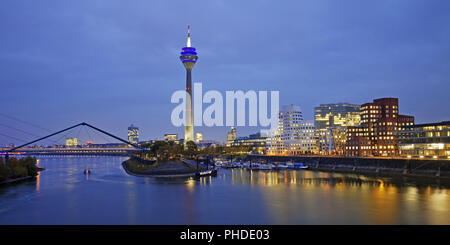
115 63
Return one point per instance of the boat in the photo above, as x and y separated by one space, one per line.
290 165
296 165
212 172
299 165
230 165
265 167
254 166
280 167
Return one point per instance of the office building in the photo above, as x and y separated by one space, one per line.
71 142
256 142
171 137
331 122
133 134
231 136
198 137
424 140
285 139
375 136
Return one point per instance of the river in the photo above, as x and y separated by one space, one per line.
62 194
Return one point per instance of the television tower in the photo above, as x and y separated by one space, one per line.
189 57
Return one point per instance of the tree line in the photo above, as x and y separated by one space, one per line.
17 168
168 150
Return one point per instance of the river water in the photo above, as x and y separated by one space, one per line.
62 194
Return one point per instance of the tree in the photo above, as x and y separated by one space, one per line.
190 149
4 172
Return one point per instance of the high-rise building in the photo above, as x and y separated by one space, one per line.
424 140
331 121
133 134
231 136
71 142
171 137
198 137
285 139
375 135
189 58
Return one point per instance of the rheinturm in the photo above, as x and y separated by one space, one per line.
189 57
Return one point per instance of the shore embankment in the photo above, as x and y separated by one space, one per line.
389 166
173 168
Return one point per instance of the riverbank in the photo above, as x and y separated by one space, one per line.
382 166
14 169
14 180
159 169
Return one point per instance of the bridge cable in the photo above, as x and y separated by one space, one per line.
25 122
20 140
63 136
22 131
101 135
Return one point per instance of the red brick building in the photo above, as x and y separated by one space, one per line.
375 136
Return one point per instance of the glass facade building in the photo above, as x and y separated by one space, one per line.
257 142
331 122
426 140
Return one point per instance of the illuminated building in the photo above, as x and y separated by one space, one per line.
285 141
207 143
307 142
231 136
375 135
171 137
198 137
71 142
257 142
430 139
189 58
133 134
331 121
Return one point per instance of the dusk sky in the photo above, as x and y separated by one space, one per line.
116 63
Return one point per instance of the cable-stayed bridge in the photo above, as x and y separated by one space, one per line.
28 149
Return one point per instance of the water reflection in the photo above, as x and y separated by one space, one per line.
380 200
327 180
110 196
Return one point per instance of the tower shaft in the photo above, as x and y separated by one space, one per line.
189 126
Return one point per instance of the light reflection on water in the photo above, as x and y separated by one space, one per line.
62 194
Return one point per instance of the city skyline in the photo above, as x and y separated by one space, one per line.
120 71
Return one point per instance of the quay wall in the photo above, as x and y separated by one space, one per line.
413 167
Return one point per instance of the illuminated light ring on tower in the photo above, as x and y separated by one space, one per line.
189 58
